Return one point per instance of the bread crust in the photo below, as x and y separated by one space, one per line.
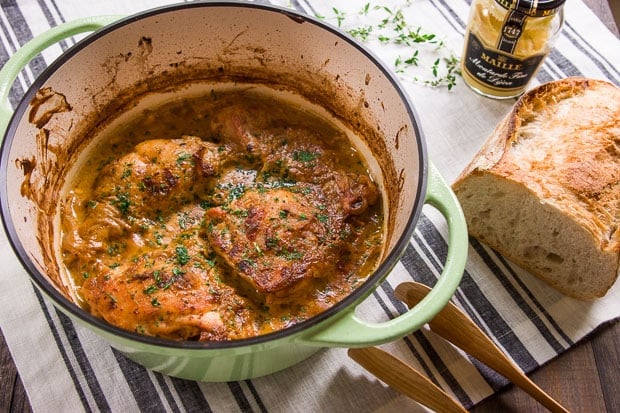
560 147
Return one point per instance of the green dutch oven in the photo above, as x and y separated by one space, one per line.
146 54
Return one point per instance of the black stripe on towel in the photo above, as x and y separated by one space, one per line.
6 50
484 309
83 362
534 318
408 342
242 400
544 76
538 305
257 397
450 16
416 268
191 395
603 64
161 381
296 5
140 384
52 22
469 289
582 44
63 351
565 65
504 277
430 351
22 32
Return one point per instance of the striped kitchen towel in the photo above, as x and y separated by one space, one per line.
67 368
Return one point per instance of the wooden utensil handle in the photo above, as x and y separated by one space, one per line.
456 327
404 378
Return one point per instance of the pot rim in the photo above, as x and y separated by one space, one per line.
381 272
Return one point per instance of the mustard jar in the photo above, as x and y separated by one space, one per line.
506 42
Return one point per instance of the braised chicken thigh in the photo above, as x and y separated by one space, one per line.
252 216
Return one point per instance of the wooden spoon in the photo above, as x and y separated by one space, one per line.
456 327
404 378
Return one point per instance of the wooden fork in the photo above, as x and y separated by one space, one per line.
456 327
404 378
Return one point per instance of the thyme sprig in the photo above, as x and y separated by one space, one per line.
425 58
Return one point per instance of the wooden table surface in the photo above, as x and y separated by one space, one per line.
583 379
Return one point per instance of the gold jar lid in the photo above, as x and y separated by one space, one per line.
532 8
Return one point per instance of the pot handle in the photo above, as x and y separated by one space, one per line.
350 331
36 45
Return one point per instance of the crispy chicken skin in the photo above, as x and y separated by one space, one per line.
144 267
256 226
278 241
143 186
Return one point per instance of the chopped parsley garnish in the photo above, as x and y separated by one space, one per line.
304 156
240 212
182 255
122 202
206 204
291 255
322 218
127 171
183 157
271 242
150 289
182 219
113 249
236 192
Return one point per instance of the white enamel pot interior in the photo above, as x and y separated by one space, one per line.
176 50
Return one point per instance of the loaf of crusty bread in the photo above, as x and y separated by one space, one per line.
544 190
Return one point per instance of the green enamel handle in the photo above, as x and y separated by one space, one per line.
27 52
351 331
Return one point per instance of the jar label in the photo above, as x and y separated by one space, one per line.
498 70
511 31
